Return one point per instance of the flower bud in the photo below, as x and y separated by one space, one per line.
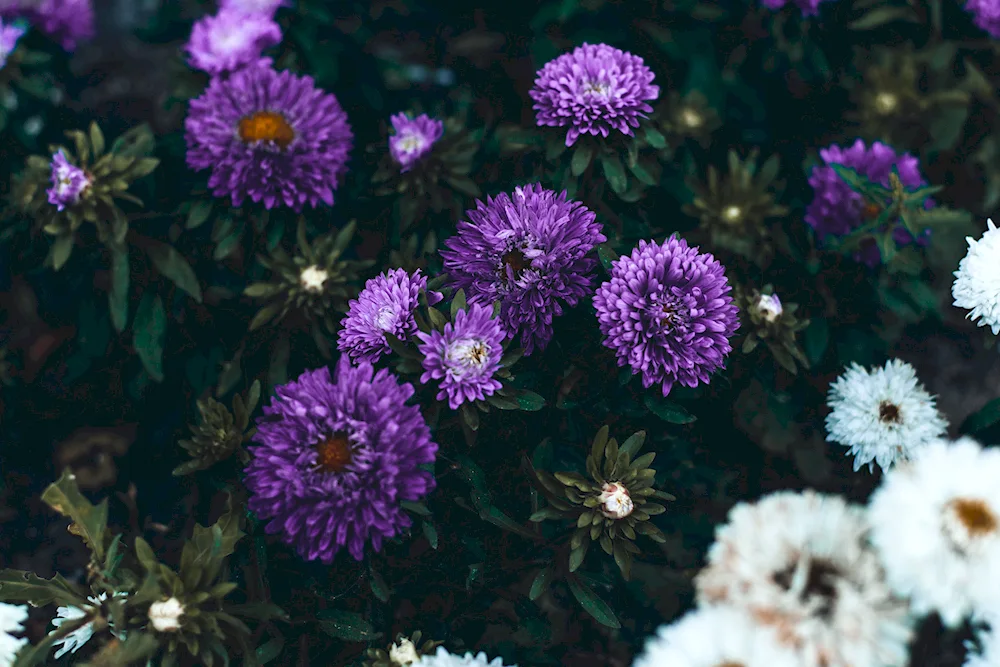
166 615
615 501
769 307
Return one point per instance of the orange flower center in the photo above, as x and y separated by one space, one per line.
334 453
871 211
266 126
975 515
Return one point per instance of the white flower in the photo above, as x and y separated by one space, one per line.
713 636
74 640
11 618
166 615
444 659
977 281
883 415
616 503
313 277
799 562
936 525
403 653
769 307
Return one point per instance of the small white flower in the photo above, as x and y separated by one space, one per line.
883 415
977 281
616 503
166 615
403 653
74 640
936 525
444 659
312 278
769 307
800 563
713 636
11 618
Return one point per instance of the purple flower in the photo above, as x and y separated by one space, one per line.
68 182
334 460
837 210
230 39
808 7
529 252
67 21
667 313
986 15
9 34
413 139
272 137
595 89
267 7
385 305
464 357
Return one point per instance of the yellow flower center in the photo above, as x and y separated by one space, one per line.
266 126
334 453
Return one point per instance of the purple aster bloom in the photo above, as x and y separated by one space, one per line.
808 7
594 89
66 21
385 305
464 357
986 15
270 136
9 34
267 7
529 252
68 182
413 139
230 39
837 210
334 459
667 313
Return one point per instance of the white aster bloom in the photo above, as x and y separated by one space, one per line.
713 636
883 415
72 642
444 659
166 615
936 525
403 653
800 563
11 618
977 281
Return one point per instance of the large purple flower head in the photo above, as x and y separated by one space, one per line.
413 138
529 252
837 210
594 89
986 15
66 21
808 7
68 182
464 358
385 305
270 136
230 39
667 313
334 459
9 35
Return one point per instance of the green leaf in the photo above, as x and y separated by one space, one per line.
172 264
21 586
35 654
582 156
118 295
632 444
614 171
458 303
89 521
203 554
148 334
668 411
496 516
607 255
530 401
541 583
655 138
199 214
62 248
592 604
881 15
815 340
270 650
378 585
346 625
430 532
983 418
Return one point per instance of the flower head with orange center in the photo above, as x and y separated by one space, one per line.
334 458
269 136
936 525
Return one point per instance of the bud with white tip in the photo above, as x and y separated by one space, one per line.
166 615
616 503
